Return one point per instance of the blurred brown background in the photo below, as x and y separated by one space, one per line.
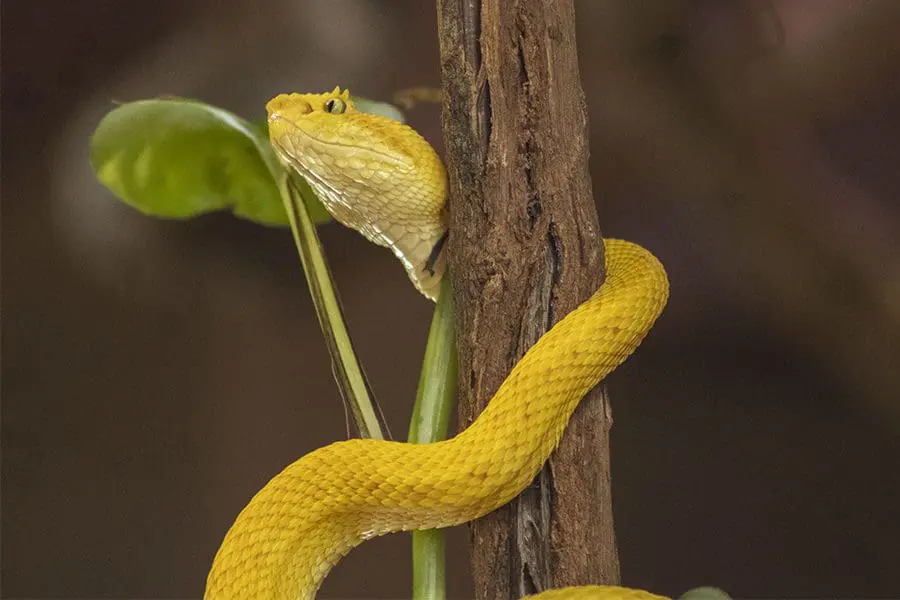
156 374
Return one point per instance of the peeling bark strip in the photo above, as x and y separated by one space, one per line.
525 249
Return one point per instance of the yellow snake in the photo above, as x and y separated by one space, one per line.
382 178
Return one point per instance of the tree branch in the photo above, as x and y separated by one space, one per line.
525 249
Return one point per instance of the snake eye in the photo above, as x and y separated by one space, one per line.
335 106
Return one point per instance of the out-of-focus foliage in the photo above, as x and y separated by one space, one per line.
704 593
178 158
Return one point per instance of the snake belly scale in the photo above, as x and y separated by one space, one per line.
299 525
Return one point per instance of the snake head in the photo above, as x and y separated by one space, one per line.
328 126
372 173
288 111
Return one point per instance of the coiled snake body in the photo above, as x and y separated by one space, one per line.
304 520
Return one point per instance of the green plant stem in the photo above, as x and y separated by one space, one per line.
428 565
437 383
435 398
347 371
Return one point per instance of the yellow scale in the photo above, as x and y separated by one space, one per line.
382 178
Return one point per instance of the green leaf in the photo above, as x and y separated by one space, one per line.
705 593
378 108
177 158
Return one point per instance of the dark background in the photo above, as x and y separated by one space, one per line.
156 374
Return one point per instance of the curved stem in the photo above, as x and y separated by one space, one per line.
349 375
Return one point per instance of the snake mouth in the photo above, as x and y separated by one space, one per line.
296 127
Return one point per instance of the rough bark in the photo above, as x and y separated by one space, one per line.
525 249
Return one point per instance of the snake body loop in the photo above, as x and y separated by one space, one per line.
305 519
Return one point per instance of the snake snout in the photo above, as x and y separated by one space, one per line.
287 107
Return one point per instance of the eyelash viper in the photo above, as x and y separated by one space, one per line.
380 177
